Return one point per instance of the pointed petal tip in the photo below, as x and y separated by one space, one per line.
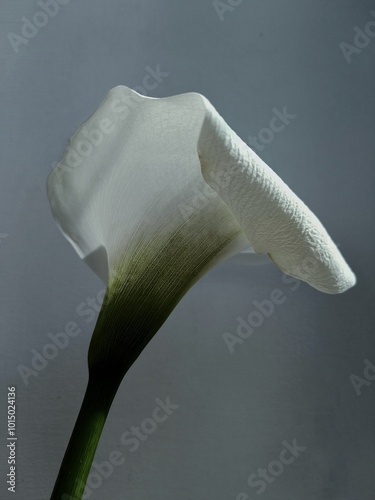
345 283
332 276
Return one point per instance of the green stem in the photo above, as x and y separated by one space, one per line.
79 455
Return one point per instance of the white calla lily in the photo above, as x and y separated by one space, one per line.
152 193
143 168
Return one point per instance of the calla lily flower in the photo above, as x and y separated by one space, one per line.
152 193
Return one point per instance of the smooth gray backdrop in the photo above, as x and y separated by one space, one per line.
293 378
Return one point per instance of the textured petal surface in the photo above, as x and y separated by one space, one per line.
273 218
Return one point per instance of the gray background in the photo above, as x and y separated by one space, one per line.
291 379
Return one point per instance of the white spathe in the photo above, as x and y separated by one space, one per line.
142 169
